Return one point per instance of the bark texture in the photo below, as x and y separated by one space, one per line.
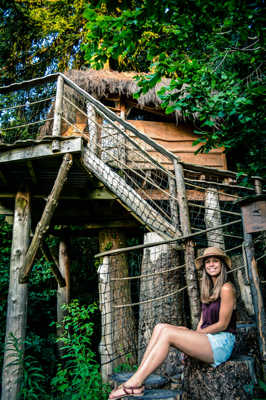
168 309
124 336
17 301
63 293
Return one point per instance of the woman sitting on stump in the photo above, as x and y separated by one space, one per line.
214 338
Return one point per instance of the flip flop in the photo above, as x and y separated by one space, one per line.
128 391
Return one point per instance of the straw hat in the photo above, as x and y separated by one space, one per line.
213 252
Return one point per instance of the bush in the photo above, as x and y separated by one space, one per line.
78 377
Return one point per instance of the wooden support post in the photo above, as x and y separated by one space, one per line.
17 301
63 293
54 264
213 218
93 131
44 222
164 310
58 107
105 346
191 277
256 292
124 335
173 204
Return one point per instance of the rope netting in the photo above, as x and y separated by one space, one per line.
24 111
147 284
136 171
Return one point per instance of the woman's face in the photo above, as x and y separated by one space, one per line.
213 266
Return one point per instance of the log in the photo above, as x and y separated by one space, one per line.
173 203
213 218
232 380
93 131
191 277
63 293
105 346
168 310
44 222
58 107
124 336
17 300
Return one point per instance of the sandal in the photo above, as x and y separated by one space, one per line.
128 391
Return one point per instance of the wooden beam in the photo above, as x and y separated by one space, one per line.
44 222
191 277
54 264
40 150
5 211
17 300
58 108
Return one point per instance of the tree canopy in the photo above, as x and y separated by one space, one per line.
213 52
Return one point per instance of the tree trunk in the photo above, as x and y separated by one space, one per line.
63 293
124 336
213 218
105 346
166 310
17 301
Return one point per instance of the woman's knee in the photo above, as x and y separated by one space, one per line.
159 327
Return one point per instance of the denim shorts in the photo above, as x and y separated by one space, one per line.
222 344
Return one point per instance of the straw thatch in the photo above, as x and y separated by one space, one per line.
104 84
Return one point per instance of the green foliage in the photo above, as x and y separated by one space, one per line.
216 68
79 376
39 37
5 249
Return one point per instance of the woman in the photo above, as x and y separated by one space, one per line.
213 340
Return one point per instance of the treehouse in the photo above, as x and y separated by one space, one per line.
116 91
95 157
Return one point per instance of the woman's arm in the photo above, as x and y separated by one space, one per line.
200 323
226 309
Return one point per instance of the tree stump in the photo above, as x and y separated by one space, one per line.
232 380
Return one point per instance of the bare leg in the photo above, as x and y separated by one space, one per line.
192 343
154 338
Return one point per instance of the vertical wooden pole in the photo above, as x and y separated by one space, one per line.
124 335
213 218
17 300
105 346
58 107
63 293
191 277
91 114
173 203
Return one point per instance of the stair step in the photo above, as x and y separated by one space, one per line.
152 382
159 394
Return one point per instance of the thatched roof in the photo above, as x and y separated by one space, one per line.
104 83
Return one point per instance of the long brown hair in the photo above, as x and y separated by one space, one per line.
210 292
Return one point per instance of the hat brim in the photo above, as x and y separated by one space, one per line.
200 260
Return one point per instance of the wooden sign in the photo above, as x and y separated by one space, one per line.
254 213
